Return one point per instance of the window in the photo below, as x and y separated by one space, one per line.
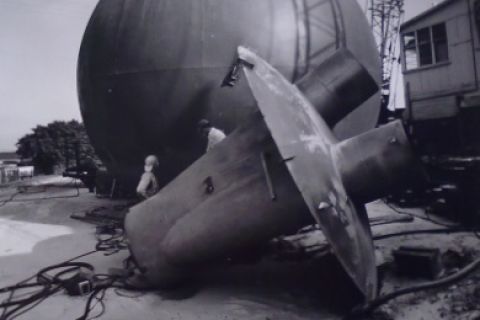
410 46
440 45
425 46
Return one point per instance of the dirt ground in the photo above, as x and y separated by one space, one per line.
36 231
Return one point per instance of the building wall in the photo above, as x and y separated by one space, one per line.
434 90
452 77
443 100
8 173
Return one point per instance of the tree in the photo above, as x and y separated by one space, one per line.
51 145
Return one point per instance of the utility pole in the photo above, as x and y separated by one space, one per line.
385 18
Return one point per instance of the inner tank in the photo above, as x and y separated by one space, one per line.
149 70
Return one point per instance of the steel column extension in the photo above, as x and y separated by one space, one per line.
377 162
338 86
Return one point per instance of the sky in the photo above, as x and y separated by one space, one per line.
39 44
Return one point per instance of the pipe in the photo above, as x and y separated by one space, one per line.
338 86
377 163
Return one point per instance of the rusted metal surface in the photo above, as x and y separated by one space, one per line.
304 138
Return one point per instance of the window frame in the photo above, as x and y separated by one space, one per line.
409 48
421 44
433 48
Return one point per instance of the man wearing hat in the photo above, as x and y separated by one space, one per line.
148 184
214 135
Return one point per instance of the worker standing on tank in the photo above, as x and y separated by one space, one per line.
214 135
148 184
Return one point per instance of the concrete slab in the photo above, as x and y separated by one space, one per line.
36 231
39 233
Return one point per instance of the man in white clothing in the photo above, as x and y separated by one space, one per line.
148 184
214 135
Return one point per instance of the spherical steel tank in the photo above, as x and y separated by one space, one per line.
149 70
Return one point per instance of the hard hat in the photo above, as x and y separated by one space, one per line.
150 162
203 124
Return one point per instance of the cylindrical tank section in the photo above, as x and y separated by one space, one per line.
241 194
378 161
248 190
188 225
337 86
148 70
